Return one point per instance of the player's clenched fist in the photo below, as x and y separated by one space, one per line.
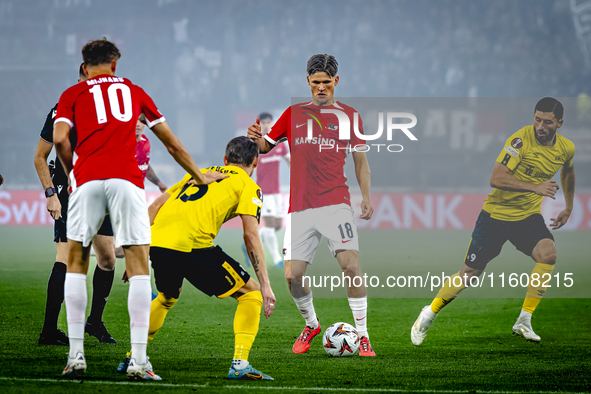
547 189
254 131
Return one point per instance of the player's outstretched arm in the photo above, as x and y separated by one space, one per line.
363 174
502 178
152 177
254 133
567 180
41 154
180 154
156 205
254 247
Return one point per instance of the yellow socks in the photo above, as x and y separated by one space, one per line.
158 310
246 323
450 290
542 273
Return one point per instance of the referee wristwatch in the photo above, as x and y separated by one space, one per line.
50 191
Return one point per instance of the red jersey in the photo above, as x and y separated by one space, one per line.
142 155
317 177
268 169
104 111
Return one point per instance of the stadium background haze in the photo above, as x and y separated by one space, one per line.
471 72
212 66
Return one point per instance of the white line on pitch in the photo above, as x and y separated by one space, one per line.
107 382
278 388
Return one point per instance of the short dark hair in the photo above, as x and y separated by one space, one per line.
241 150
550 104
265 115
81 71
323 63
100 51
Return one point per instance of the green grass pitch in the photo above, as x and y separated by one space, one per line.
469 347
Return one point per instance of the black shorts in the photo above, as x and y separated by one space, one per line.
210 270
490 235
59 228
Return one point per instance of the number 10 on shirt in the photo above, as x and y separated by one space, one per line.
99 103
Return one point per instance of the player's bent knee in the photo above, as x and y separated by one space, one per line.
295 281
548 258
545 252
251 286
107 263
350 267
468 272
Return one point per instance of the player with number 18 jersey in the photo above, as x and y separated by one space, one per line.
320 203
317 173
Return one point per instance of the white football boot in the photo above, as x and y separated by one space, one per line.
137 371
522 327
75 367
418 332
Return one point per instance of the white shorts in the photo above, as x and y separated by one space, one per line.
305 228
124 201
272 205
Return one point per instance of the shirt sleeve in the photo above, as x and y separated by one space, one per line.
47 131
65 108
513 152
251 201
177 186
278 132
149 109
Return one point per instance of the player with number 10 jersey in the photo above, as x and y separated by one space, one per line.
123 102
105 178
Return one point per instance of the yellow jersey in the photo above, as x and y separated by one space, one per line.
529 161
193 214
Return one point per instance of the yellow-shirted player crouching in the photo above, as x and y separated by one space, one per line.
185 220
522 177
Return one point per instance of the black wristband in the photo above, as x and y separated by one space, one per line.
50 191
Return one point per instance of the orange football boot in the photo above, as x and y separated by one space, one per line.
365 349
302 344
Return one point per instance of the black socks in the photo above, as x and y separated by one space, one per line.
55 296
102 282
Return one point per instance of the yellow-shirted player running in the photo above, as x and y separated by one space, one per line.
522 177
185 220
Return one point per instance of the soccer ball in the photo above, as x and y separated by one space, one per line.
341 339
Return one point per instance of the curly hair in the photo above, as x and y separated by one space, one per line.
100 51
